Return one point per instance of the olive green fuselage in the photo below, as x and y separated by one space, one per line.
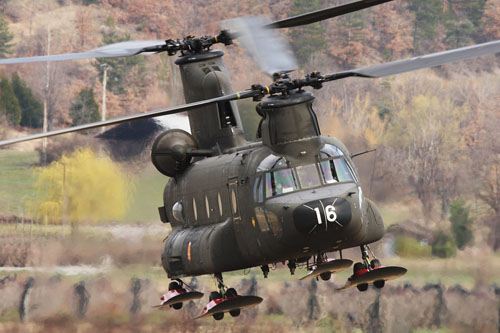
289 195
226 227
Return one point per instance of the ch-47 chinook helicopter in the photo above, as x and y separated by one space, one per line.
291 196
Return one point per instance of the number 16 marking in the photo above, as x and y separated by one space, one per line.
330 214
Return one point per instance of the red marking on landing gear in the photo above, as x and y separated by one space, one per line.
215 302
221 305
374 274
178 296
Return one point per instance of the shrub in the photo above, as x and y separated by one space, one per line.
444 246
461 223
411 247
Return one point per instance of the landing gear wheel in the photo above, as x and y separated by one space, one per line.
177 306
375 263
173 285
235 313
231 292
357 267
326 276
214 295
218 316
362 287
379 284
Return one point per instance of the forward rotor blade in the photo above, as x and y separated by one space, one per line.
122 49
267 47
324 14
430 60
154 113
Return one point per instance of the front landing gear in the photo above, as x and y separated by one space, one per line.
324 267
371 271
227 300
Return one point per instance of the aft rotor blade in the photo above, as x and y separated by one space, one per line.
154 113
324 14
122 49
430 60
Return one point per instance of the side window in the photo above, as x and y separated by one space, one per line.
342 170
258 195
195 210
178 211
234 202
219 201
207 207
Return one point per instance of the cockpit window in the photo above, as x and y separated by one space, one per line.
271 162
279 182
335 170
329 150
308 176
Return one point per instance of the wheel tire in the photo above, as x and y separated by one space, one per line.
325 276
362 287
379 284
177 306
214 295
231 292
358 266
218 316
173 285
235 312
375 263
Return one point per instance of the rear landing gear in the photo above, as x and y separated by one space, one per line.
178 292
174 285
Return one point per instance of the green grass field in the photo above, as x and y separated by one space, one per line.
16 180
148 196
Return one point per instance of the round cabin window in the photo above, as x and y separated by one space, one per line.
178 211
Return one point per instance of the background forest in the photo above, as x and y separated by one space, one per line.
436 171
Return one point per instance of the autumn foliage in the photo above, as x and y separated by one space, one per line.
81 187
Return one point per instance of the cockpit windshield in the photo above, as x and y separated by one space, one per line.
308 176
332 168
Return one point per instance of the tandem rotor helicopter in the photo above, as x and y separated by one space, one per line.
291 196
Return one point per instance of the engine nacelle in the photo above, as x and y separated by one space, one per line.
170 153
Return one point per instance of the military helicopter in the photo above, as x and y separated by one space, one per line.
291 196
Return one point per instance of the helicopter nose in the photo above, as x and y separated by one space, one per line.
322 214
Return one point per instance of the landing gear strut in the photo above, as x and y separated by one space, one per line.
227 300
223 293
367 265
